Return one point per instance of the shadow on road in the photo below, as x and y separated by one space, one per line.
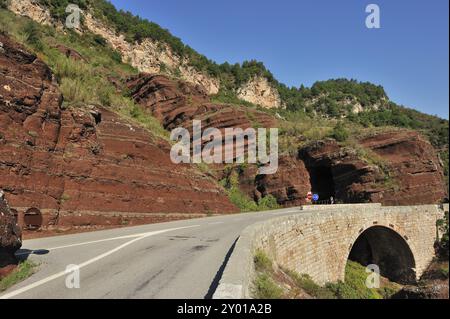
219 273
23 254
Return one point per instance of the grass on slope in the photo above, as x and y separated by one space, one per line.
23 271
241 200
277 283
81 82
354 286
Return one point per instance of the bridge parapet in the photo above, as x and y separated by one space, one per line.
319 243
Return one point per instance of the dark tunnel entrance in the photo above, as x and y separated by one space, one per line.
33 219
388 250
322 182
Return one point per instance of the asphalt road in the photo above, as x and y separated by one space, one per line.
176 260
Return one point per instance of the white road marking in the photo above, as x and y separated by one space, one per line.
83 243
90 261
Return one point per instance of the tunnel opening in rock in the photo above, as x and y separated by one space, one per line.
388 250
32 219
322 182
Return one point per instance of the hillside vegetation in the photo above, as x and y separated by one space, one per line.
326 109
325 97
82 82
332 99
274 282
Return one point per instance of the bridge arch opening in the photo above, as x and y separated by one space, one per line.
388 250
32 219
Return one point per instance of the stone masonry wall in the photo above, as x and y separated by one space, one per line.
318 243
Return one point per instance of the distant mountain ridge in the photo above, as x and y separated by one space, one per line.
152 49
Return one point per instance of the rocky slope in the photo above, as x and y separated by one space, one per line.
147 56
289 185
87 166
10 237
393 168
260 92
31 9
406 171
151 56
177 104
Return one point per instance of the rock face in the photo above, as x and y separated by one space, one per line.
153 57
10 235
289 185
31 9
260 92
148 56
87 166
177 104
412 174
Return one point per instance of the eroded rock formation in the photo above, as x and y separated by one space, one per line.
177 104
10 236
87 166
260 92
31 9
289 185
394 168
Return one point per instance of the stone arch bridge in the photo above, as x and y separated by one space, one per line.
400 240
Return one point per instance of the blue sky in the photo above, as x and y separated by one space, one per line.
303 41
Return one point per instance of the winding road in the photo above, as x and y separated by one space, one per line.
176 260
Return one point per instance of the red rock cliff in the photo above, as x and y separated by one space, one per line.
412 172
87 166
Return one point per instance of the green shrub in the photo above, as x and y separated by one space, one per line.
236 196
268 203
310 287
4 4
24 270
340 133
32 36
444 271
75 91
100 40
65 67
229 97
355 287
129 110
58 7
266 288
241 200
262 262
